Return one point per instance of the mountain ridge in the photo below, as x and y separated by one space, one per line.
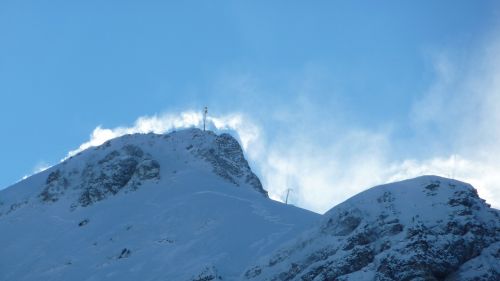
143 206
186 206
427 228
122 163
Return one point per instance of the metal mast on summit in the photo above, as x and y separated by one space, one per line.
287 193
288 189
205 112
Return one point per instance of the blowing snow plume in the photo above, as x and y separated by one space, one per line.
322 170
160 124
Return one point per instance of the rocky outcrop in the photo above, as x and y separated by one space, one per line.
484 267
228 161
208 273
123 169
55 186
382 235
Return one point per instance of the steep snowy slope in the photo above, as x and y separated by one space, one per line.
181 206
428 228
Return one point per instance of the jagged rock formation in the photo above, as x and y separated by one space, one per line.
429 228
226 157
125 168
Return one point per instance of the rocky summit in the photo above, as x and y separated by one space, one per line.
125 165
180 206
428 228
186 206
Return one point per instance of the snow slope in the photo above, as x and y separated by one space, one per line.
180 206
428 228
186 206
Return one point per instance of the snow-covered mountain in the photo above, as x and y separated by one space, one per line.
428 228
186 206
180 206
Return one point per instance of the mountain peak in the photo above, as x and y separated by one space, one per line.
128 162
179 206
186 206
426 228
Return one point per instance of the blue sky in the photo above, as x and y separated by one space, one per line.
339 95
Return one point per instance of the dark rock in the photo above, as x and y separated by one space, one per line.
118 170
431 189
228 162
148 169
55 186
53 176
253 272
133 150
364 237
342 224
207 274
109 157
462 244
15 206
355 260
83 222
386 197
432 186
125 253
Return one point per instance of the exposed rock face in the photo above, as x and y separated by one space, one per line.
429 228
55 185
120 169
125 168
228 161
209 273
484 267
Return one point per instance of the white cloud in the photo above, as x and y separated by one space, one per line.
482 175
320 174
145 124
462 110
322 170
456 126
323 177
326 160
39 167
159 124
